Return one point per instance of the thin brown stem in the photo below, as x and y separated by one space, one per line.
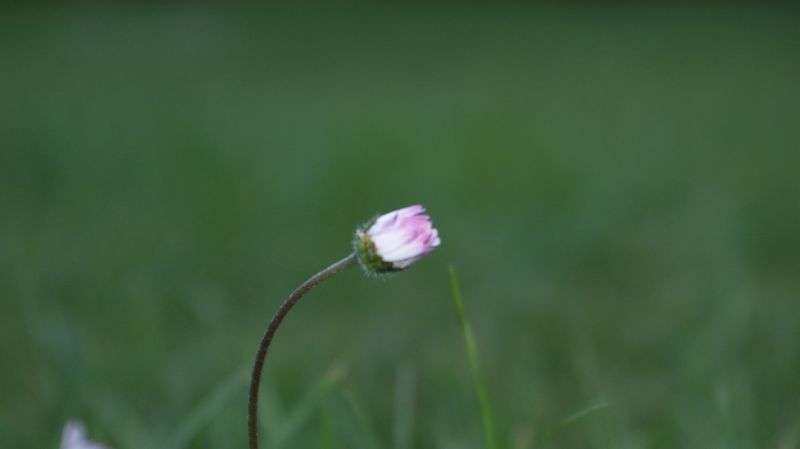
305 287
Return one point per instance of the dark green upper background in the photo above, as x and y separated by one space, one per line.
617 187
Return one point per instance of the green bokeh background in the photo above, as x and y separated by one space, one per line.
616 186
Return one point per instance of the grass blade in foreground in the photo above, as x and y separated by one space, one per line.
207 410
331 379
368 431
570 420
404 396
472 353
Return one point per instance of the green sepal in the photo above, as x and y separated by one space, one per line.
368 256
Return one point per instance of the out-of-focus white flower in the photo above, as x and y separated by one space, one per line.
393 241
74 437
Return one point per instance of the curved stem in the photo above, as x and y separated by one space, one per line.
305 287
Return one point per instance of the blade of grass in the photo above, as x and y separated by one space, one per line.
472 354
332 377
129 429
572 418
272 410
325 429
789 438
371 439
404 397
206 410
611 433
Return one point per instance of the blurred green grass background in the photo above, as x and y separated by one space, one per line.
617 187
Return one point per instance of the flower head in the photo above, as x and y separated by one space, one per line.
393 241
74 437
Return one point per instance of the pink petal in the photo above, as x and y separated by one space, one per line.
435 240
410 210
383 223
406 262
395 218
413 249
390 241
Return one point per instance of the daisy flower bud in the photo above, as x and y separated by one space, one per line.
390 242
393 241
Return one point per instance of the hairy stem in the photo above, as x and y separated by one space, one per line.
305 287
